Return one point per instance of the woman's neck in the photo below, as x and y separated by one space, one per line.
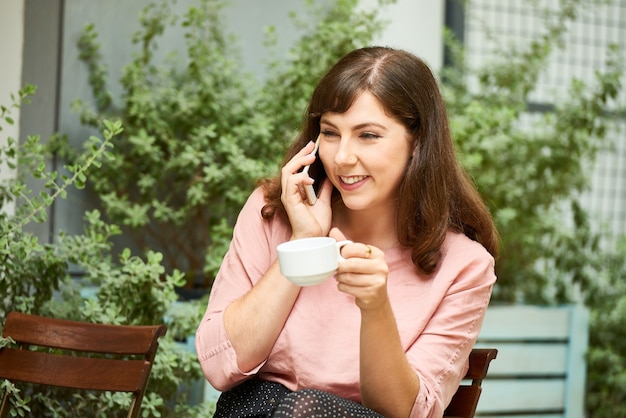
373 227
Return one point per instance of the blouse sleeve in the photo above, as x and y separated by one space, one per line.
440 353
248 258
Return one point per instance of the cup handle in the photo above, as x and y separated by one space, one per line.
340 245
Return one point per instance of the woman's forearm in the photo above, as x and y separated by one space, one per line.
254 321
388 383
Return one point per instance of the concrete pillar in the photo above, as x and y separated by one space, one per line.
11 48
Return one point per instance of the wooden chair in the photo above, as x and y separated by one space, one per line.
541 367
124 364
465 400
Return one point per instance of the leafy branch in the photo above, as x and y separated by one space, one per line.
34 207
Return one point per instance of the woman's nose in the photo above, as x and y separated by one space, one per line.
345 154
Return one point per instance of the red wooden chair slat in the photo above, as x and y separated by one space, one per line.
465 400
88 356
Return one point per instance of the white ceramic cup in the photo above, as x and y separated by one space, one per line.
309 261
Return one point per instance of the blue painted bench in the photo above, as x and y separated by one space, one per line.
540 370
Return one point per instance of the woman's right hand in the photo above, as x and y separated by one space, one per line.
251 334
305 220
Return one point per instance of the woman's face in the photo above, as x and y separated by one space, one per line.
365 153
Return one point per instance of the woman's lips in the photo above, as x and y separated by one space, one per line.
352 182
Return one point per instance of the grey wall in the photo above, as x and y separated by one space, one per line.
41 67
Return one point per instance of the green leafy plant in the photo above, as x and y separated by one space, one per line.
531 170
206 133
34 278
532 173
199 132
606 296
29 269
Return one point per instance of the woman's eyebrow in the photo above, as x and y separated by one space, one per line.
356 127
369 125
327 122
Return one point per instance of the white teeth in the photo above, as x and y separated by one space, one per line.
352 180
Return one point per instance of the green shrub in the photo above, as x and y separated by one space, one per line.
532 168
34 278
199 132
606 364
531 171
193 142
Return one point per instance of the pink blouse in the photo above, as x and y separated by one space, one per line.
438 317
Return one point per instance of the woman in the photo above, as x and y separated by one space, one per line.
391 333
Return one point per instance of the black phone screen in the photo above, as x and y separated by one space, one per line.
317 173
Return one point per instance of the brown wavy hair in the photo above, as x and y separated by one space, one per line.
436 194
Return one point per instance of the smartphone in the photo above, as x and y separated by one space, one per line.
317 173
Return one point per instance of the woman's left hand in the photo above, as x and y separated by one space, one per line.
363 274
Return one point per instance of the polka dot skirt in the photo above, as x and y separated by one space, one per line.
260 398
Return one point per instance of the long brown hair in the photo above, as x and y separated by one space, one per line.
436 194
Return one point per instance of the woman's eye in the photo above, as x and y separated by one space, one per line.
369 135
328 133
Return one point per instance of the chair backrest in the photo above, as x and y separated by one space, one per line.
465 400
541 369
130 352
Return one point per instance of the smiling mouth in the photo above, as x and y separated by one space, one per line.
352 179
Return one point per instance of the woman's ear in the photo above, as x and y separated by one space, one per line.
415 152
